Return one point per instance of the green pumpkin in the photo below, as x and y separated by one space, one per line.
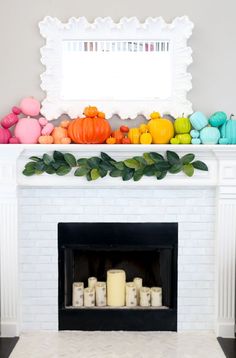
218 119
184 138
182 125
228 131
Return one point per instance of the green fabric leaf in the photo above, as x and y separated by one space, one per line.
35 159
149 170
176 168
63 170
187 158
30 166
82 161
102 172
94 162
40 166
132 163
106 157
94 174
156 156
106 165
127 174
161 175
188 169
198 164
141 160
28 172
47 159
119 165
148 158
138 174
162 166
81 171
116 173
50 170
172 157
70 160
88 176
58 156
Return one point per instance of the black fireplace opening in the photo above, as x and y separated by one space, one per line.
146 250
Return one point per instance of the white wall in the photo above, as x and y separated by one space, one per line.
213 43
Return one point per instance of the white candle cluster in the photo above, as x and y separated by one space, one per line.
116 292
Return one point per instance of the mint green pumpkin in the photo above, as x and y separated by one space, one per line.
198 120
228 130
182 125
210 135
218 119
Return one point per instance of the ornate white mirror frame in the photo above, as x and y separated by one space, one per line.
163 45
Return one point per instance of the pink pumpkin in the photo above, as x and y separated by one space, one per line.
5 135
28 130
30 106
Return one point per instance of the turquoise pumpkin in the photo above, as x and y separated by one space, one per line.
218 119
198 120
228 131
210 135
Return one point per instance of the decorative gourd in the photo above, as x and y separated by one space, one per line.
91 112
228 131
126 140
30 106
145 138
210 135
198 120
89 130
118 135
111 140
182 125
28 130
5 135
45 139
155 115
218 119
161 130
184 138
58 134
134 135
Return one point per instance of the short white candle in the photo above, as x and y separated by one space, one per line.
145 296
101 294
156 296
78 294
89 297
131 294
116 288
92 282
138 281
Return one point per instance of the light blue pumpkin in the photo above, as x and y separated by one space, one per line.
218 119
228 131
210 135
194 133
198 120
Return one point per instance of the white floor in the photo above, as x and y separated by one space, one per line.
116 345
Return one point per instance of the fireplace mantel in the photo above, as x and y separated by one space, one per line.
221 161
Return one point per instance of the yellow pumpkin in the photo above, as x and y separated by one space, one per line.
155 115
146 138
143 128
161 130
134 135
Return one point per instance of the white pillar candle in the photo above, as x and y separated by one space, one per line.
78 294
156 296
138 284
145 297
116 288
131 294
92 282
101 294
89 297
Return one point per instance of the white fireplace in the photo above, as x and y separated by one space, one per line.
203 206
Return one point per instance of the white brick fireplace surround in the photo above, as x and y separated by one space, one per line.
204 207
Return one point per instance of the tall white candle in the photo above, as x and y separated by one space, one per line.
131 294
92 282
145 297
78 294
156 296
116 288
138 281
101 294
89 297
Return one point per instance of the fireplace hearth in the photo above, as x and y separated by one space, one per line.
146 250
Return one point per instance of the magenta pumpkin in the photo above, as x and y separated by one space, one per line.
28 130
5 135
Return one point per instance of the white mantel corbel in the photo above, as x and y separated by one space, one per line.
222 175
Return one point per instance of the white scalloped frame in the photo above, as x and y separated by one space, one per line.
54 31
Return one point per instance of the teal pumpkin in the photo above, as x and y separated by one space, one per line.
228 130
210 135
198 120
218 119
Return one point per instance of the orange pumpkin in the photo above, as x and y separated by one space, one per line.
45 139
101 115
111 140
58 133
118 135
90 111
89 130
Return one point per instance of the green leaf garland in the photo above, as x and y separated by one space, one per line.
149 164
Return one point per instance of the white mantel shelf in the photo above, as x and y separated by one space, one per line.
221 161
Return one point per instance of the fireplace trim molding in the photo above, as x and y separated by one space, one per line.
221 161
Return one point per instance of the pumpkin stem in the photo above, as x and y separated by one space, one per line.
183 115
232 115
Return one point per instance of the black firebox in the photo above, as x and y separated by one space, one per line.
147 250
